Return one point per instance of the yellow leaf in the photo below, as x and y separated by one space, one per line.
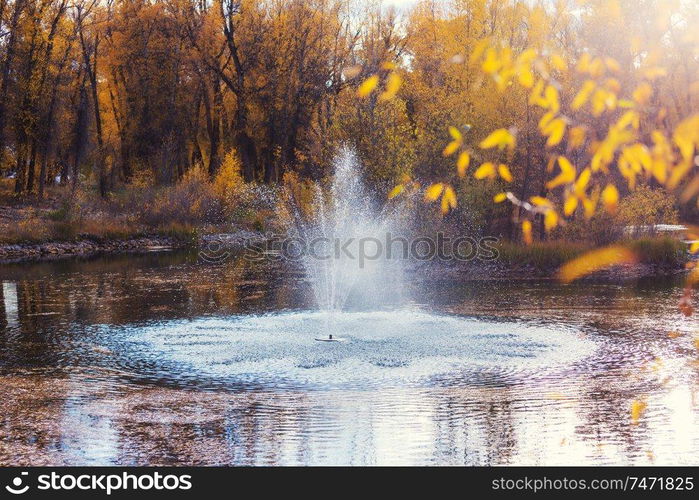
612 64
396 191
694 247
631 117
526 78
550 220
368 86
500 138
583 65
594 261
491 63
566 166
478 50
500 197
546 119
582 182
448 199
433 191
637 408
570 205
389 66
678 173
555 131
610 198
393 84
686 136
576 136
462 163
551 97
638 157
526 57
485 170
566 176
583 95
527 232
596 68
535 97
599 102
455 134
451 148
660 171
504 172
589 207
540 201
558 62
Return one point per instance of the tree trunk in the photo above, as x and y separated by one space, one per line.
7 65
32 167
20 168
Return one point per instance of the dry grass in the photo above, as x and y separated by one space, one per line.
195 204
549 255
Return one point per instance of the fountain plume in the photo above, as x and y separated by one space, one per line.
345 224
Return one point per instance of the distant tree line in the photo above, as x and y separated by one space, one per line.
125 90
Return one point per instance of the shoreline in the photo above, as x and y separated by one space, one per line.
522 272
21 253
53 250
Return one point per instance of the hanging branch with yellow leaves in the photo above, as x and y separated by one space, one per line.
665 158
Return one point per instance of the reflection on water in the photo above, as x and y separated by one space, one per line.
141 360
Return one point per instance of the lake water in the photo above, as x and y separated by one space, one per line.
159 359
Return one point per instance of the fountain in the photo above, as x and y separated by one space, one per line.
345 239
387 340
345 243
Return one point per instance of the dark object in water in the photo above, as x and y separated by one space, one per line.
329 339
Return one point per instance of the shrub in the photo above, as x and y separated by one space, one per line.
638 214
646 207
228 182
297 195
601 229
190 201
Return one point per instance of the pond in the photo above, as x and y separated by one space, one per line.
162 359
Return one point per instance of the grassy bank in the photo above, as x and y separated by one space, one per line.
664 252
197 206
